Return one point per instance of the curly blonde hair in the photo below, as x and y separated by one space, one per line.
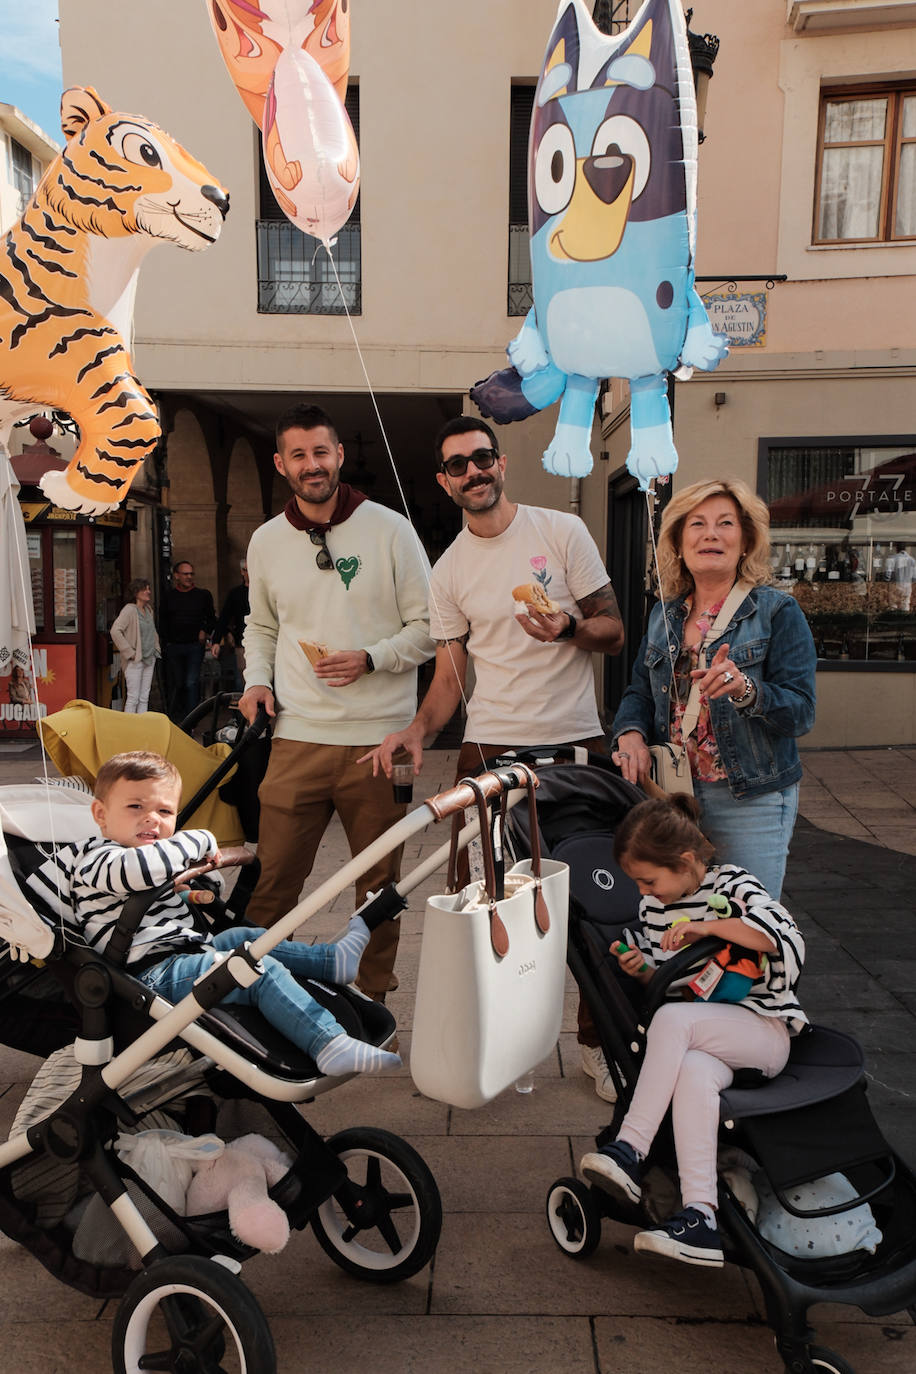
754 564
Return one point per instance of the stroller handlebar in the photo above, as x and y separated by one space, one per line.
491 784
235 857
676 967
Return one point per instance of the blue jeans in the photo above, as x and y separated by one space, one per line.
276 994
753 833
183 670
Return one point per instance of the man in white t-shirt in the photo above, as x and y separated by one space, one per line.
534 683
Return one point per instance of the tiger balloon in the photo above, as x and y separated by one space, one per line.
68 275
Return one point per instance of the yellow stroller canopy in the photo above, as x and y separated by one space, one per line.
81 737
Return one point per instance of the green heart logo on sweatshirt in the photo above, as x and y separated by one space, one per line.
348 568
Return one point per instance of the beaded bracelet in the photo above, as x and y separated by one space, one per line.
749 692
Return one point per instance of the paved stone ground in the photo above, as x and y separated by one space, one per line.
499 1296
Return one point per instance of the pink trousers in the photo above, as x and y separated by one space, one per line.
691 1051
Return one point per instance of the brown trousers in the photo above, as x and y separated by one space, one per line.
469 757
303 787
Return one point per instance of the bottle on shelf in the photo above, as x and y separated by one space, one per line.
786 570
821 574
811 563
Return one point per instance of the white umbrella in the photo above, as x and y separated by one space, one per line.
17 619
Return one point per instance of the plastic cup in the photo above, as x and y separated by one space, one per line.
402 780
525 1083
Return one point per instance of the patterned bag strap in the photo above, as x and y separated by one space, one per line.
731 603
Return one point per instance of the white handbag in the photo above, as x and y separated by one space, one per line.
492 975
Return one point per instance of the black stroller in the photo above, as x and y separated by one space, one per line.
810 1123
140 1063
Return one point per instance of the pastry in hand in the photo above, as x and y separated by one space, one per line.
533 594
313 652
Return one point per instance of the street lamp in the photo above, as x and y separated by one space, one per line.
703 51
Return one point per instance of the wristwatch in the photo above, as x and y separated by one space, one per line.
570 629
370 666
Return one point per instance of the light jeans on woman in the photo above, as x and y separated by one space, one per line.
276 994
692 1049
753 833
137 679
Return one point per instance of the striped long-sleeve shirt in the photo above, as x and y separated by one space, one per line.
89 883
774 993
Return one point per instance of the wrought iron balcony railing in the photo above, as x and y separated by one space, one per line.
296 278
521 297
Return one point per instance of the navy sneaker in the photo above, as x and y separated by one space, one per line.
686 1236
616 1169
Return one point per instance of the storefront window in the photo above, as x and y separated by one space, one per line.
36 577
843 531
108 598
63 562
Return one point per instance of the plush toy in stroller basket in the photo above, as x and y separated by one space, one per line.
129 1066
812 1198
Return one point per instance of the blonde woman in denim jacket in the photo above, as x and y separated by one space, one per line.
757 690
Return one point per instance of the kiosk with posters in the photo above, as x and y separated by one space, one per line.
78 567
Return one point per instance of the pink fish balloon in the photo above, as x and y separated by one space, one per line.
289 61
309 147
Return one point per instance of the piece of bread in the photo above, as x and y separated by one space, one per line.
313 652
533 594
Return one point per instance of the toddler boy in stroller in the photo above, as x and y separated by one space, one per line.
135 806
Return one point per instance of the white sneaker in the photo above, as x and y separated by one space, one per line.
595 1065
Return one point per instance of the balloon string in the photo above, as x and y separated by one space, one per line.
669 635
391 459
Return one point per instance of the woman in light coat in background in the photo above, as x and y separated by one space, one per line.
134 636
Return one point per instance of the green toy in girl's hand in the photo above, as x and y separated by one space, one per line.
624 948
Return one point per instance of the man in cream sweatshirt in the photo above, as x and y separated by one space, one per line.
337 628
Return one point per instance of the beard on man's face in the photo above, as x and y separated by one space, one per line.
312 489
479 491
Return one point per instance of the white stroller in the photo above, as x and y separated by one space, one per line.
138 1062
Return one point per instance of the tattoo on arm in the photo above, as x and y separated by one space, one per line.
459 639
601 602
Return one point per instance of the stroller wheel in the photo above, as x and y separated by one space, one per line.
190 1315
384 1223
573 1217
819 1360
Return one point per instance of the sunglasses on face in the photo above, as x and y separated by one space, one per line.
323 556
482 458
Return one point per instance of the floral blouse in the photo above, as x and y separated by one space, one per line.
702 750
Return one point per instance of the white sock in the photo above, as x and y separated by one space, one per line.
343 1054
348 950
707 1212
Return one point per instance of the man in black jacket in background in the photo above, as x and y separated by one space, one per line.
231 627
186 618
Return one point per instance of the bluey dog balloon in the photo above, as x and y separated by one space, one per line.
612 217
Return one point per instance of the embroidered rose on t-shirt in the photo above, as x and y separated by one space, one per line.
539 567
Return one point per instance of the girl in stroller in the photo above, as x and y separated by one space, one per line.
136 803
693 1047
